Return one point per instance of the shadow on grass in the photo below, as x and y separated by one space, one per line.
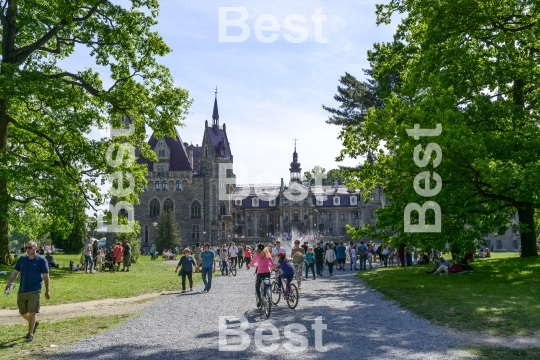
498 297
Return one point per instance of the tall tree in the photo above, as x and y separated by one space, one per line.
167 236
47 161
471 67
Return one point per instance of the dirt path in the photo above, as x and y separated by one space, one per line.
102 307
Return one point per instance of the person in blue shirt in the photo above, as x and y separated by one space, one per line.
287 270
208 266
34 269
341 255
361 252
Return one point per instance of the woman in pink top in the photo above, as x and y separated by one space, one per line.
264 266
247 256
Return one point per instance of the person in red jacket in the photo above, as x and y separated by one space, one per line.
118 250
455 268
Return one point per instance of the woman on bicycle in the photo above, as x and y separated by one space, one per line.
264 266
287 270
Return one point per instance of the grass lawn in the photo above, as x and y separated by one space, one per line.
499 297
59 333
145 276
503 353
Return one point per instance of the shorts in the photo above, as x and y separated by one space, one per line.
28 302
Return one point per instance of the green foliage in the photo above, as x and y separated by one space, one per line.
48 163
472 67
73 242
167 236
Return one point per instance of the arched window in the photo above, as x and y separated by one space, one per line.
164 185
222 209
168 205
196 210
154 207
146 234
158 185
178 185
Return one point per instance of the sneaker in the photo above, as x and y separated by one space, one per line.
29 337
127 270
35 327
190 289
183 291
205 290
123 270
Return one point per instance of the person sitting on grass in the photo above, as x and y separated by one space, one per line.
50 260
424 259
453 269
437 264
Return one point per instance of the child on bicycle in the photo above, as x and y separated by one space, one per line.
287 270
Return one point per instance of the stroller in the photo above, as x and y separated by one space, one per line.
108 264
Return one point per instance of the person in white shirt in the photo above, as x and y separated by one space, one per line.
385 255
330 257
276 250
233 254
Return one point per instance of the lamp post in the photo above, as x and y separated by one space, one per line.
154 224
204 236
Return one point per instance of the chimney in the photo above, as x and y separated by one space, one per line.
191 157
224 128
282 185
186 145
335 183
309 185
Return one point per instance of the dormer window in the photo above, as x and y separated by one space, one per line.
319 201
161 144
254 202
272 202
161 153
353 200
238 202
285 201
336 200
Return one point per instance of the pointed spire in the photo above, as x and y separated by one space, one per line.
215 114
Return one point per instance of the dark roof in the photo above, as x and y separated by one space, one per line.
215 113
196 156
218 140
179 158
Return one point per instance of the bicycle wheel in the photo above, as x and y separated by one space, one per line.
233 271
276 293
268 302
292 297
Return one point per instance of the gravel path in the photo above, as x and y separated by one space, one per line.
360 325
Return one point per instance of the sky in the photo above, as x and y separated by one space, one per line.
269 93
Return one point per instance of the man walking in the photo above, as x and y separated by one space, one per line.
362 254
33 269
208 266
319 258
152 252
233 254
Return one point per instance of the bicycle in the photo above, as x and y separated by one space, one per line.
231 270
290 293
266 297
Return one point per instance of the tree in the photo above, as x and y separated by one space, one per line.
471 67
72 242
167 236
47 161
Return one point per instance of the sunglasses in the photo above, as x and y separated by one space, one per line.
28 247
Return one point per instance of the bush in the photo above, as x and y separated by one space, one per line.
135 249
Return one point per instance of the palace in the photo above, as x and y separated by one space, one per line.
210 206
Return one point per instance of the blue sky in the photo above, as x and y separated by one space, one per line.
268 93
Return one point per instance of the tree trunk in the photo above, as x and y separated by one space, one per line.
5 256
528 236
